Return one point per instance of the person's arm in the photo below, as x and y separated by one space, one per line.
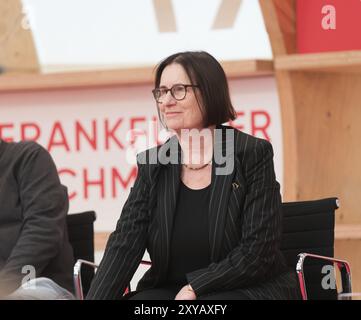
44 204
261 230
126 245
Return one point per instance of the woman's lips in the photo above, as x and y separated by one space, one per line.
172 114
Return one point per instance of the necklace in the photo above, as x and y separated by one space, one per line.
197 168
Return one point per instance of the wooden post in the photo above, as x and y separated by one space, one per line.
282 37
17 49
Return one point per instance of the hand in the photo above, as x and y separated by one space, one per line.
186 293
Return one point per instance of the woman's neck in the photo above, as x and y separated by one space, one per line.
197 145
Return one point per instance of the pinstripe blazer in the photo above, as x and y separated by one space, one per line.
244 223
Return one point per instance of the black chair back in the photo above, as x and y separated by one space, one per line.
81 237
308 226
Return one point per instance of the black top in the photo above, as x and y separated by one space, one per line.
189 248
33 209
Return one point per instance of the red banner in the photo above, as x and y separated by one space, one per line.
328 25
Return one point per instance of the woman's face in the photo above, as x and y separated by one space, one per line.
179 114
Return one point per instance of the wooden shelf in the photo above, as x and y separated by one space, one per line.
343 61
348 232
11 82
248 68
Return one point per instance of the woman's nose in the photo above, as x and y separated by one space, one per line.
168 98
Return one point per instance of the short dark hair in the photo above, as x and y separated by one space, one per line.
206 72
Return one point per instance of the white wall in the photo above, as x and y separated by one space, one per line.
124 32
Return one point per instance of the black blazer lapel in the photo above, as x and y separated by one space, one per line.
221 186
167 196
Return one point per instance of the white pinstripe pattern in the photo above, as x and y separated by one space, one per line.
245 226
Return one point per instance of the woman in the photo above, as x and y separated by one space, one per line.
211 223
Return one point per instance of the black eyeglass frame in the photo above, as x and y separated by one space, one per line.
171 91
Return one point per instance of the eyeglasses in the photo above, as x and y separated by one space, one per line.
178 92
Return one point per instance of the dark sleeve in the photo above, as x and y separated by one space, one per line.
126 245
261 230
44 204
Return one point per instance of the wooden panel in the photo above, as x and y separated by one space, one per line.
165 16
289 136
21 82
279 17
248 68
286 13
280 21
328 117
348 232
17 47
350 250
24 82
341 62
227 14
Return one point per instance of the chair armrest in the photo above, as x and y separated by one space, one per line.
77 277
143 262
342 265
146 263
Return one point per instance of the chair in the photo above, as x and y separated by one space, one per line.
81 237
308 244
80 292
